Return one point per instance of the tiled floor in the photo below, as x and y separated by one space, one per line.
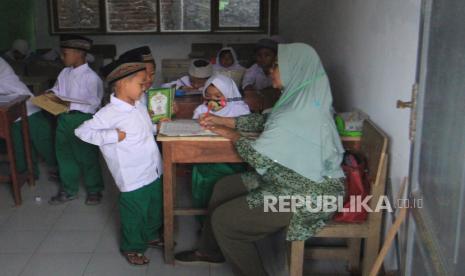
74 239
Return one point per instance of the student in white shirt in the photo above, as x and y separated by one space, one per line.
40 127
76 158
199 72
257 76
222 98
125 134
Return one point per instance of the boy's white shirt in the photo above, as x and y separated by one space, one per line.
80 83
256 77
10 84
135 161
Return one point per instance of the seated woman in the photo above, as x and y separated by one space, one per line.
298 154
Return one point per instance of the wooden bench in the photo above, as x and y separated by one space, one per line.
374 144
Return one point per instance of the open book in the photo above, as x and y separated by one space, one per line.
184 127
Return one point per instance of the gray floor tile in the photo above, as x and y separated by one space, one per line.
38 219
221 270
70 241
83 221
57 264
114 264
21 241
159 268
109 240
13 264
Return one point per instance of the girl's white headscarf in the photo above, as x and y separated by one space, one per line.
235 106
234 66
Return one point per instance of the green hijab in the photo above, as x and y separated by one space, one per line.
300 133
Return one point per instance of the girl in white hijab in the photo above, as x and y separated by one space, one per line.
227 64
222 98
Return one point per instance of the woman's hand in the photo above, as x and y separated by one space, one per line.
226 132
121 135
208 120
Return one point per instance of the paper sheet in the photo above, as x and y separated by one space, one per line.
184 127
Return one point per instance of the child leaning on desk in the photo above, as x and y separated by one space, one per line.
199 71
222 98
125 134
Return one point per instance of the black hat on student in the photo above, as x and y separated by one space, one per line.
125 65
74 41
144 52
266 43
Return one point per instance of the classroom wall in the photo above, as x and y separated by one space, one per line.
17 22
163 46
369 49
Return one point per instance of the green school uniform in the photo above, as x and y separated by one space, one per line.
41 139
204 178
75 157
141 216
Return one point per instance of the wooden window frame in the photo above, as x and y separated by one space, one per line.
268 22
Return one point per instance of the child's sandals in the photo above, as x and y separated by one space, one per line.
158 243
135 258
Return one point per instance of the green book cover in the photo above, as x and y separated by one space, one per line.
160 103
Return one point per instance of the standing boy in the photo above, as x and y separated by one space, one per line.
125 134
76 158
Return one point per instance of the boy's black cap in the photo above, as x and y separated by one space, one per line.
266 43
144 52
125 65
74 41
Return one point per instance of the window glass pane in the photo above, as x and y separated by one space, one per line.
130 16
78 14
239 13
185 15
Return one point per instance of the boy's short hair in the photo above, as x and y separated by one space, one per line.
200 68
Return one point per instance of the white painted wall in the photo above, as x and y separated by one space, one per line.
163 46
369 48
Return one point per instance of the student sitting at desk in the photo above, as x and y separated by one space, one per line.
222 98
258 76
298 153
125 134
227 64
40 126
199 72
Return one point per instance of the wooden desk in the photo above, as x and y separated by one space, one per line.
9 112
187 150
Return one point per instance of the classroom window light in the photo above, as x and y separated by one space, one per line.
185 15
162 16
239 13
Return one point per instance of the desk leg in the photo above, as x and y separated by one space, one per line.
27 145
12 160
169 181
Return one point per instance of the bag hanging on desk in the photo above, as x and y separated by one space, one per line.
357 184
